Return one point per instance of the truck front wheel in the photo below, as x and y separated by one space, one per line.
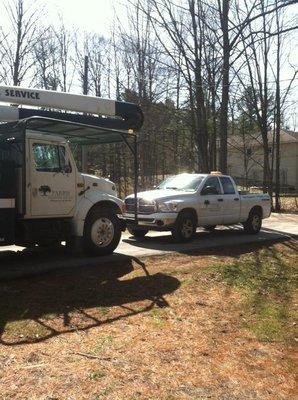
184 228
102 232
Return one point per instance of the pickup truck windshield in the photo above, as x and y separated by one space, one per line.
184 182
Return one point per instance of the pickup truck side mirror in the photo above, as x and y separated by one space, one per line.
209 190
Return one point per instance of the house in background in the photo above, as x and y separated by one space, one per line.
245 159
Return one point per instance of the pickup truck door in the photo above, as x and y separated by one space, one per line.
231 201
210 207
51 189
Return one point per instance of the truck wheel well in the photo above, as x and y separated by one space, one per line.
257 209
191 211
104 204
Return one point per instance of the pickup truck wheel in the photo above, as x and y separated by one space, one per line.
184 228
253 223
102 232
137 232
210 228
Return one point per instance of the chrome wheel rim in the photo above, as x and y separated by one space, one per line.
102 232
187 229
255 222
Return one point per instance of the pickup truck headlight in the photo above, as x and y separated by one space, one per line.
167 206
147 206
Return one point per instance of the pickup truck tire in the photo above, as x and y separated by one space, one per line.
253 223
102 232
184 228
137 232
210 228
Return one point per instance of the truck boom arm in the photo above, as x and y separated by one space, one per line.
70 102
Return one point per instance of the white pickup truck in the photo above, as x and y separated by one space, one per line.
183 202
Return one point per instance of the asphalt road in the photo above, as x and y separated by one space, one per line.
16 262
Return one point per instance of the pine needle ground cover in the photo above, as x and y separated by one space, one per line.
214 325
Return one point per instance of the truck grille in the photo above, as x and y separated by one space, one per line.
143 206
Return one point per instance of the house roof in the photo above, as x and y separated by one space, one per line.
255 139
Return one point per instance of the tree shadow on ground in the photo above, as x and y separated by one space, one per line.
36 309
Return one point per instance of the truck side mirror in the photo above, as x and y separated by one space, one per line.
67 169
209 190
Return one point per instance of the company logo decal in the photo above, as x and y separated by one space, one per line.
55 195
44 190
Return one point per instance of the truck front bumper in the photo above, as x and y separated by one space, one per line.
157 221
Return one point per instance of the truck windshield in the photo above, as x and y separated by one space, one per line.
184 182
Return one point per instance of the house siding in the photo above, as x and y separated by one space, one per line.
252 152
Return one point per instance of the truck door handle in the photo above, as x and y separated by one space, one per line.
206 202
219 199
236 199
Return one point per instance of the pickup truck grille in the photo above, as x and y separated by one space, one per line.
143 206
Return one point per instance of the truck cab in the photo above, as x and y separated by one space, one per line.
44 199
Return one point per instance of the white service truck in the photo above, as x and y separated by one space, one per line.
44 199
183 202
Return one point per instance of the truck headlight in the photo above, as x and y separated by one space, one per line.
168 206
147 206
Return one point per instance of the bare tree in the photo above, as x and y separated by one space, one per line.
18 42
66 71
96 48
47 60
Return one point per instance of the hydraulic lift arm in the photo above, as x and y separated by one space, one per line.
130 114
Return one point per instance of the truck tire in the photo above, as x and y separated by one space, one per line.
184 228
210 228
253 223
137 232
102 232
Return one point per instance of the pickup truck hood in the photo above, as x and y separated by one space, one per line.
161 194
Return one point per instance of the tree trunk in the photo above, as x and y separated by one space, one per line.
223 123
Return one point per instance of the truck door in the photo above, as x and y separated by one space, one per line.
210 205
52 179
7 201
231 201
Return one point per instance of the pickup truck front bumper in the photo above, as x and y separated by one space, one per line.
156 221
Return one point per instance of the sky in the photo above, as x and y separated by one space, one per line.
88 15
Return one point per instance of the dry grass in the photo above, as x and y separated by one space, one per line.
289 204
177 327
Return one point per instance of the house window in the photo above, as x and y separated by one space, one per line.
255 175
284 177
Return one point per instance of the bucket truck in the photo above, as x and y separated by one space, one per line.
44 199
